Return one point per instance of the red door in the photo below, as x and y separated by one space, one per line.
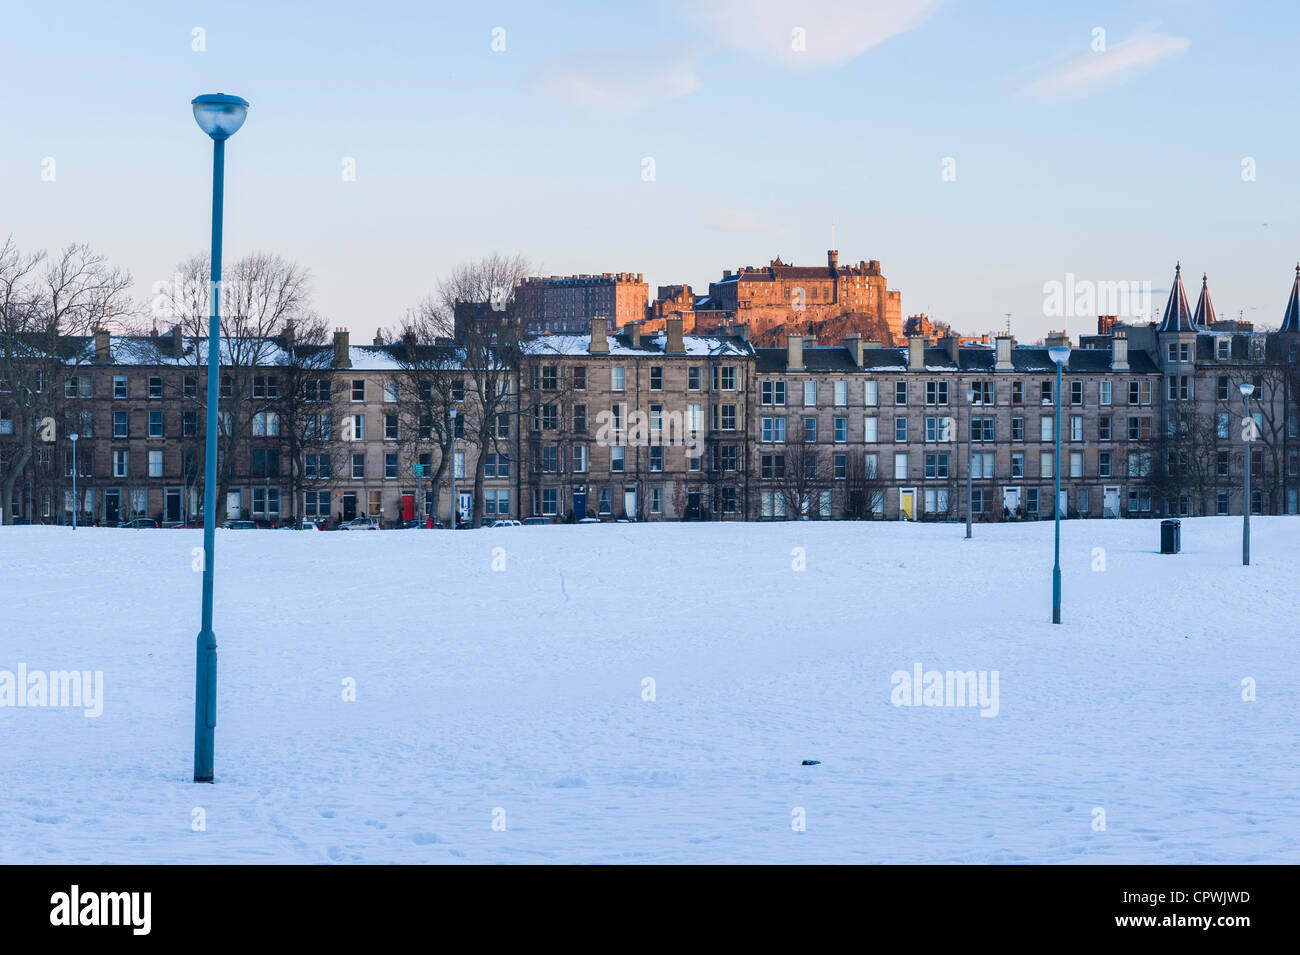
408 507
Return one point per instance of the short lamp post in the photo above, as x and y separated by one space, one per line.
220 116
451 469
73 439
1248 435
970 429
1059 354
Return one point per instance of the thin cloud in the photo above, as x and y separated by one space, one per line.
738 220
805 33
618 83
1091 72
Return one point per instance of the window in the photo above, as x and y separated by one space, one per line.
936 500
318 389
1103 464
1031 501
358 466
772 467
580 378
1224 424
656 457
773 430
579 419
1139 464
724 377
1076 464
391 391
1104 392
982 429
317 466
657 499
551 457
842 430
1223 351
1017 429
550 501
155 464
496 465
496 502
810 394
871 393
121 427
693 378
841 467
981 464
119 386
900 466
1046 424
119 464
550 377
79 387
841 393
900 429
358 389
617 458
1076 427
316 504
871 430
1139 429
155 424
358 427
984 392
938 429
810 430
266 463
579 459
900 392
724 418
772 393
1017 464
458 389
656 417
1076 392
605 500
1221 502
266 424
936 465
656 378
1045 391
936 392
728 458
1017 392
1103 428
1139 392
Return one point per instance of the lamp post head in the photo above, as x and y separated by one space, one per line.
73 438
970 396
219 114
453 413
1247 389
1060 354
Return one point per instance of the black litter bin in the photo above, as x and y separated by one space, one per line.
1171 537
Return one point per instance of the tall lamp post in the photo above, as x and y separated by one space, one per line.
73 438
1059 354
220 116
970 426
451 471
1248 434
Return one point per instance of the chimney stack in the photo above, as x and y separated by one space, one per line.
873 343
379 337
1119 351
178 341
633 332
952 345
794 353
103 354
599 343
1057 338
916 353
675 344
743 329
1003 353
833 258
854 344
341 357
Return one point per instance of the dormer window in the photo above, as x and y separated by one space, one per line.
1223 348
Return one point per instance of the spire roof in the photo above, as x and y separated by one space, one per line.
1204 316
1291 320
1177 316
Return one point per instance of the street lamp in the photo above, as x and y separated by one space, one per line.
1059 354
73 439
452 470
970 410
1247 434
220 116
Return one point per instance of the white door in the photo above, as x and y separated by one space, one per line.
629 500
466 508
1110 502
234 504
1011 500
1064 503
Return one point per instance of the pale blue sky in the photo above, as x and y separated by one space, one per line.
1110 165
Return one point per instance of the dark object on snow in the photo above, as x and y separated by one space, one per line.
1171 537
812 762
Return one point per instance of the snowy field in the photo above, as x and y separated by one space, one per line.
521 689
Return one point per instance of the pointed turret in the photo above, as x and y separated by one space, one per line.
1177 317
1204 316
1291 320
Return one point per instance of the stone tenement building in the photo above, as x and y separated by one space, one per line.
568 303
800 298
669 426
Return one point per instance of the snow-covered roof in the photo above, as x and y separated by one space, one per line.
620 346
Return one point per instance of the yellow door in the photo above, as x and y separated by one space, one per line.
907 504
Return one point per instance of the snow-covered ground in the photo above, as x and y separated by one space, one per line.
521 688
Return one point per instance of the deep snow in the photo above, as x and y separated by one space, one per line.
521 689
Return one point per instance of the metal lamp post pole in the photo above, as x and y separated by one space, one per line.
1248 431
1060 354
220 116
451 470
970 409
73 439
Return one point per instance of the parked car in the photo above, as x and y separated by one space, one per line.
506 522
301 526
360 524
589 520
140 522
240 525
537 521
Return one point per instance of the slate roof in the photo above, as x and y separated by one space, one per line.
1026 359
1177 316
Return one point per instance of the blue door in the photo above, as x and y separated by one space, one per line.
579 504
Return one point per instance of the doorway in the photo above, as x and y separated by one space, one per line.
579 505
907 503
1110 501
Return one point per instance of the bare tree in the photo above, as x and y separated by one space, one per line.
260 294
431 384
864 491
308 408
805 474
49 308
